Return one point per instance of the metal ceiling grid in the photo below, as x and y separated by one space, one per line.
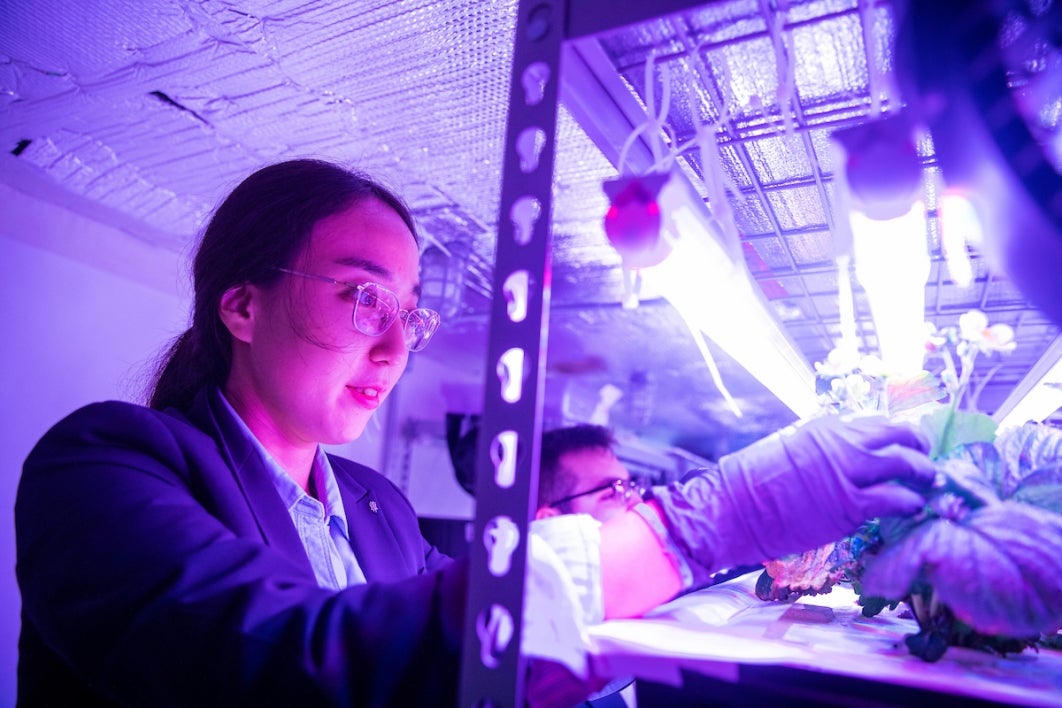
778 160
779 156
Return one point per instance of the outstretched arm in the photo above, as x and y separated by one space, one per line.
790 492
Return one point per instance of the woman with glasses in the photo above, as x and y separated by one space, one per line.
205 550
200 551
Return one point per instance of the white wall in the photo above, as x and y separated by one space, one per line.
72 333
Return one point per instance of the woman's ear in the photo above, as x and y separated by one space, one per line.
237 311
544 512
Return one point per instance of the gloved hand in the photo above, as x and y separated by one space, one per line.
795 490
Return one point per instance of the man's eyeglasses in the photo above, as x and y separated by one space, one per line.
622 489
376 308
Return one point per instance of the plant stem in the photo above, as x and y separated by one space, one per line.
945 434
956 396
918 607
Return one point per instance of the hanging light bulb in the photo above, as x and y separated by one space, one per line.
634 223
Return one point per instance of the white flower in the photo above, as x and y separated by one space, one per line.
973 328
935 340
857 389
840 361
1000 338
972 325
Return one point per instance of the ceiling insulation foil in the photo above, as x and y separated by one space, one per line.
779 159
144 113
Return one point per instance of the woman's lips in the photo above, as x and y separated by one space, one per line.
366 396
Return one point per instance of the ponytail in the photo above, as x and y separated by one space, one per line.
183 370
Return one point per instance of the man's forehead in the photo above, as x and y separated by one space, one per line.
597 462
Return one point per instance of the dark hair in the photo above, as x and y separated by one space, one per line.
559 442
263 224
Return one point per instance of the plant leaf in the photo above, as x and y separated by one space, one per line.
928 645
874 605
1042 488
893 528
968 480
964 428
891 573
1000 570
985 456
1026 450
909 393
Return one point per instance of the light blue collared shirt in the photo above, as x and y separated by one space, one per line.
321 526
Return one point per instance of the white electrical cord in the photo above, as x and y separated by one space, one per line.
655 123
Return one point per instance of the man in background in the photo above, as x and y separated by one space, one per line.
579 473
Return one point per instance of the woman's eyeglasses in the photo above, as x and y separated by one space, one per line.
622 489
376 308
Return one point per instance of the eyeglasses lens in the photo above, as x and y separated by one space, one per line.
418 328
374 309
626 487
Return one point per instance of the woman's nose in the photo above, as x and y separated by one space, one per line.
390 347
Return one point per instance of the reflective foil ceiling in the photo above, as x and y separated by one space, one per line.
144 113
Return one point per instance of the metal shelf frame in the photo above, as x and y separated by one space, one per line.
493 669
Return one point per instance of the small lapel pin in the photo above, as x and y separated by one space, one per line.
374 507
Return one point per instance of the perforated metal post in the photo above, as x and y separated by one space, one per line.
492 670
507 459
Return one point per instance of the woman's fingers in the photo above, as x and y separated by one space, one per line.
895 462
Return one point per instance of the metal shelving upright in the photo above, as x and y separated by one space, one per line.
493 670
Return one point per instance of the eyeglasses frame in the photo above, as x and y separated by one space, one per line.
622 487
403 314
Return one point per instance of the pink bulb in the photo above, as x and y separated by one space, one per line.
633 225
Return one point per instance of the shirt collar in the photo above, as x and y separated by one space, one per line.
324 479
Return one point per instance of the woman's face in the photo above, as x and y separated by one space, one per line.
302 374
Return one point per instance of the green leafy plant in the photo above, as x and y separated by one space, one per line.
981 565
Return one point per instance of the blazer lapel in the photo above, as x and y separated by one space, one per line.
371 536
360 524
251 476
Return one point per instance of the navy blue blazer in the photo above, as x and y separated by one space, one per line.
158 567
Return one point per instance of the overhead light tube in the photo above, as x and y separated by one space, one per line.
661 227
879 186
892 264
1039 394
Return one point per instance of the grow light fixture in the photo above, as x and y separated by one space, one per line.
892 264
1039 394
883 227
661 228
